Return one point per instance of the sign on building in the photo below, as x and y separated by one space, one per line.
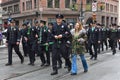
94 6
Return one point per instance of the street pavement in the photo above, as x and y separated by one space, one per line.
107 67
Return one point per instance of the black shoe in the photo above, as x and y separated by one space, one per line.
95 58
32 64
91 57
73 73
59 67
54 73
25 55
69 69
42 64
8 64
47 64
22 60
66 67
85 71
114 53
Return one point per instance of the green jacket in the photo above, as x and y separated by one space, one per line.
78 47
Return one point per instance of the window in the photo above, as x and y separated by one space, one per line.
111 20
29 5
51 20
71 20
10 9
35 3
107 7
23 6
88 5
67 3
16 8
111 8
115 8
5 8
88 1
50 3
74 1
57 3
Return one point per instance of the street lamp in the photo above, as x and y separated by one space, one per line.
81 11
9 18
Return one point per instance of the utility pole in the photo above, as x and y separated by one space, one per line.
81 11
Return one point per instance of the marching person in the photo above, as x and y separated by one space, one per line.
59 34
37 28
13 41
119 37
24 43
43 43
113 37
104 36
30 37
78 47
93 40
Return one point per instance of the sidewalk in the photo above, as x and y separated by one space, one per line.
2 46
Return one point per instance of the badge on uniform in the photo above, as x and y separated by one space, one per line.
44 30
49 31
32 29
14 29
62 26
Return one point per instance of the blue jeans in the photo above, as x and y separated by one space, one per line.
74 63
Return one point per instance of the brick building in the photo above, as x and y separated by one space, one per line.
23 10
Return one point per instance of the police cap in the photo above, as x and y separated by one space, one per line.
36 21
12 21
42 21
59 16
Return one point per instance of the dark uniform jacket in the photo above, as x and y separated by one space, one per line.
30 33
93 36
104 33
42 33
113 34
60 30
119 33
13 35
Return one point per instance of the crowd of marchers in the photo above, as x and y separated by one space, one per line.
60 39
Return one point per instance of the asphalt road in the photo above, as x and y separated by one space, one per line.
107 67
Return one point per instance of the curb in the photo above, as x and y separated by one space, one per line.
2 46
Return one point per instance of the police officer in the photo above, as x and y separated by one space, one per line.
113 36
12 41
59 33
43 43
119 37
93 40
30 37
104 36
37 28
24 43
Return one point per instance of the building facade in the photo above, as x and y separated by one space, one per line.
0 16
73 10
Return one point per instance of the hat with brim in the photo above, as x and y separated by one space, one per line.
42 21
60 16
12 21
36 22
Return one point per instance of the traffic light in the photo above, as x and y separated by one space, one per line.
37 14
